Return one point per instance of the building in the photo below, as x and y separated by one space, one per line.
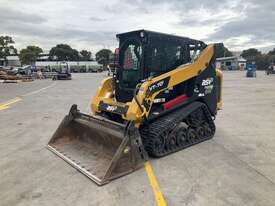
242 63
43 62
231 63
12 61
74 66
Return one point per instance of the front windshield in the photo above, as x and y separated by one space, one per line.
131 58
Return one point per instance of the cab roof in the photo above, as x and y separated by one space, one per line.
161 36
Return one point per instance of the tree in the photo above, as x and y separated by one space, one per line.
85 55
30 54
103 56
262 61
222 51
250 54
272 52
254 55
63 52
271 56
6 47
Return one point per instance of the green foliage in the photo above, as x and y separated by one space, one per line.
271 58
223 52
262 60
272 52
63 52
6 47
29 54
251 54
85 55
103 56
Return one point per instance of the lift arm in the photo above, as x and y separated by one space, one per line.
152 87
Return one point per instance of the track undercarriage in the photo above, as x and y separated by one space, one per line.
178 130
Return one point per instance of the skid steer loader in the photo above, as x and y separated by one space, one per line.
162 97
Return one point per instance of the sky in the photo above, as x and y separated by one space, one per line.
93 24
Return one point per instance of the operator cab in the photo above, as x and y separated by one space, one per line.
144 54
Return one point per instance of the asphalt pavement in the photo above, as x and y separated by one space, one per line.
236 167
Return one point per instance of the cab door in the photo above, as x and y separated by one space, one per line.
130 69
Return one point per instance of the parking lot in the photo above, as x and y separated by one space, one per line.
236 167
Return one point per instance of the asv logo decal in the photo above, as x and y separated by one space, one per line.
206 82
156 86
111 108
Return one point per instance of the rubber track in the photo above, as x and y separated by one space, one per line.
154 129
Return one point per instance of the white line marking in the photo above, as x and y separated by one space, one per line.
39 90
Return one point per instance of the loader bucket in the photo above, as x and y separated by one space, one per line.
99 148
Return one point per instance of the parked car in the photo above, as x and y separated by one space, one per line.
12 70
25 70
